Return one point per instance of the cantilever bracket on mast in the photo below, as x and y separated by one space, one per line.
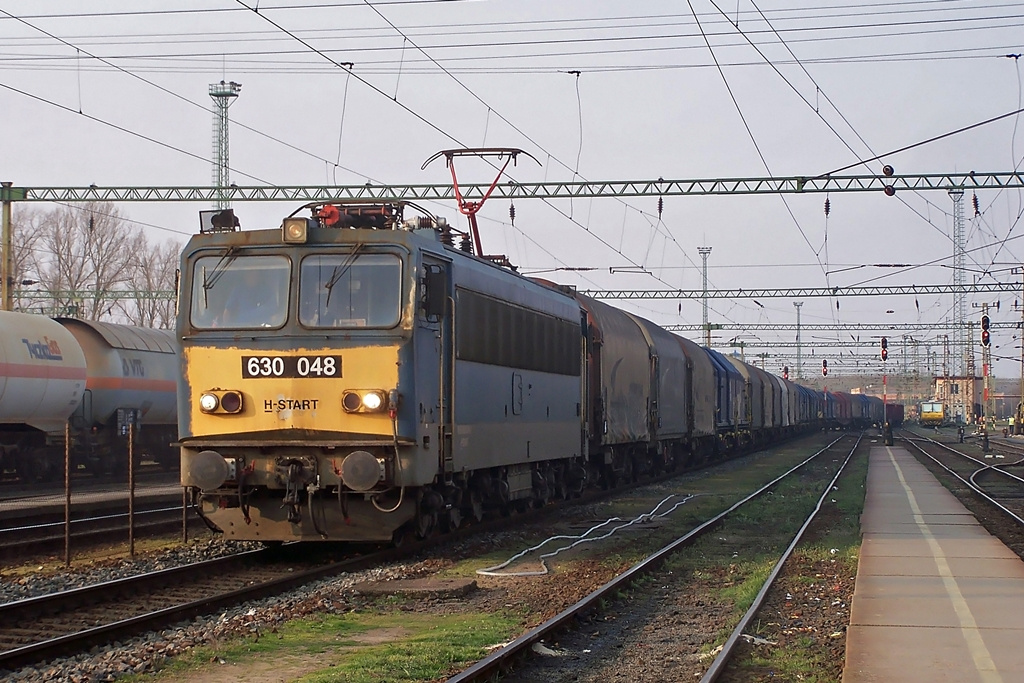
467 207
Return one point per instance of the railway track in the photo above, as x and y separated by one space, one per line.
74 621
28 540
997 476
35 524
83 482
650 572
69 622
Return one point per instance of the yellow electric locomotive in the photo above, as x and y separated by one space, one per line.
932 413
353 375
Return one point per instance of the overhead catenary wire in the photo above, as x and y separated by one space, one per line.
162 89
647 266
422 118
674 241
901 29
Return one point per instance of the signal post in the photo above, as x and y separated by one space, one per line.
986 369
886 427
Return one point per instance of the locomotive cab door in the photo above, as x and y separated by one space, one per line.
434 367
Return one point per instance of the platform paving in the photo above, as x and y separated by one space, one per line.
937 597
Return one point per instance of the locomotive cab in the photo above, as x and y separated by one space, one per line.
294 343
335 371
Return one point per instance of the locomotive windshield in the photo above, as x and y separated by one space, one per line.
350 290
239 292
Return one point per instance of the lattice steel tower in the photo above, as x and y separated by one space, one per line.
223 95
704 253
799 350
960 339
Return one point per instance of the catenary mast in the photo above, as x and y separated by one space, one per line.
223 95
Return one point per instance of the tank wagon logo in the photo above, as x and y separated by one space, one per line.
48 349
133 367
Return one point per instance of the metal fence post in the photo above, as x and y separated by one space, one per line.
67 494
131 487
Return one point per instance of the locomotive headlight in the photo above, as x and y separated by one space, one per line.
231 402
373 401
364 401
221 401
293 230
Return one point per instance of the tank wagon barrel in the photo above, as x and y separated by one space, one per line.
94 376
42 381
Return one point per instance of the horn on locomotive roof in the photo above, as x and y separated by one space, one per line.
467 207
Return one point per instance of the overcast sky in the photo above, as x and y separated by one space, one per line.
116 94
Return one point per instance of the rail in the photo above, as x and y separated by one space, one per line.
491 665
971 480
111 600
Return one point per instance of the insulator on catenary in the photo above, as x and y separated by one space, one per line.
974 200
512 212
828 206
661 206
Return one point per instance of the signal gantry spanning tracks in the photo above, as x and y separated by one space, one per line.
517 190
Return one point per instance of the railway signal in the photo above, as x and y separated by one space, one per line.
986 338
885 349
824 368
785 372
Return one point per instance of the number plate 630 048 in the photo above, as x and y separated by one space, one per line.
255 367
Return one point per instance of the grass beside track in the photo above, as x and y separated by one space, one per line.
389 641
805 637
365 647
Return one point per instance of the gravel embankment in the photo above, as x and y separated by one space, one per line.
144 653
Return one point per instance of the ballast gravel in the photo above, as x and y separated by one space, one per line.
32 585
144 653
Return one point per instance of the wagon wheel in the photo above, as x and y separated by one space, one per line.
627 469
27 466
451 519
400 536
425 523
476 506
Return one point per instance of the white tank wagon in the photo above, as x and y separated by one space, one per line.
42 381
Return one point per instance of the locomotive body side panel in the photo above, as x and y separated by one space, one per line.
517 370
